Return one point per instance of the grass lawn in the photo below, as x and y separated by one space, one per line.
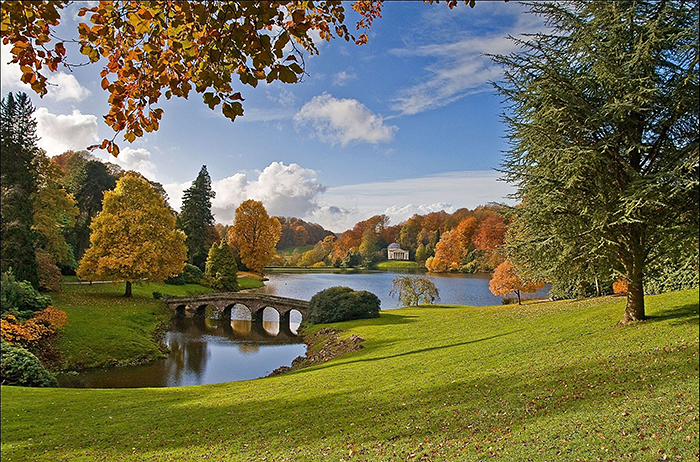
393 264
542 381
104 328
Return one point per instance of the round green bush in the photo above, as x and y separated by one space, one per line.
20 367
342 304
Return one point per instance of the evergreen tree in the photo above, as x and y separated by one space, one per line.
603 119
18 184
196 219
94 179
222 269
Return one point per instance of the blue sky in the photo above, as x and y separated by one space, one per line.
408 123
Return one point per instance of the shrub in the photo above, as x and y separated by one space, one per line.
157 295
508 301
342 304
189 275
20 367
41 327
19 297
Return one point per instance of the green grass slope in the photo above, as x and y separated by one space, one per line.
105 328
545 381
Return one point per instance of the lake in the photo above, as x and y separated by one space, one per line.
207 351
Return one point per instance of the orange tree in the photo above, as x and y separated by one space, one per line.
134 237
505 281
255 234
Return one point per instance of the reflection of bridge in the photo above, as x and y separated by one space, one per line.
223 303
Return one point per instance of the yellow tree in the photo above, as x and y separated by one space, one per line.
505 281
134 237
255 234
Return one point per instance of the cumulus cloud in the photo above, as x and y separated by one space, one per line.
138 160
61 132
65 87
341 121
285 190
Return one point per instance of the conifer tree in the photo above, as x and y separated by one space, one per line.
196 219
18 184
603 125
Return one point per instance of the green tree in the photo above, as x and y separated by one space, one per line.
134 237
18 185
603 126
222 268
196 219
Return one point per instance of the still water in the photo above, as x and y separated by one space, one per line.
207 351
454 289
204 351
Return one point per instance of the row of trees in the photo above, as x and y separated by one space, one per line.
466 240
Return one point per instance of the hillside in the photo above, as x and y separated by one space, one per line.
545 381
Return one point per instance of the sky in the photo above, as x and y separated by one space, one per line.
408 123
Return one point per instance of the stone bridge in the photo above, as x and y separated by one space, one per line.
223 303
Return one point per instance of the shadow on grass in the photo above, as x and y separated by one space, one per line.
679 314
423 350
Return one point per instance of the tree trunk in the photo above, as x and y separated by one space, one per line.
128 289
517 292
598 292
634 311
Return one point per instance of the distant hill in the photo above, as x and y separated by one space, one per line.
297 233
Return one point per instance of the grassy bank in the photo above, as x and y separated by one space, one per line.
542 381
104 328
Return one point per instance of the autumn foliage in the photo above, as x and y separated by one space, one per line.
505 281
134 237
620 286
255 234
166 48
28 334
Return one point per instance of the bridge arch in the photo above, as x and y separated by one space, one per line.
237 311
180 311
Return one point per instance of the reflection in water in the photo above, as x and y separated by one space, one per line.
271 327
241 327
203 351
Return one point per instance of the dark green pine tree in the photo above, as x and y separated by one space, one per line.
18 184
95 179
196 219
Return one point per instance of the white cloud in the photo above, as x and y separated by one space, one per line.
342 78
63 87
9 73
138 160
344 121
285 190
61 132
175 191
399 214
